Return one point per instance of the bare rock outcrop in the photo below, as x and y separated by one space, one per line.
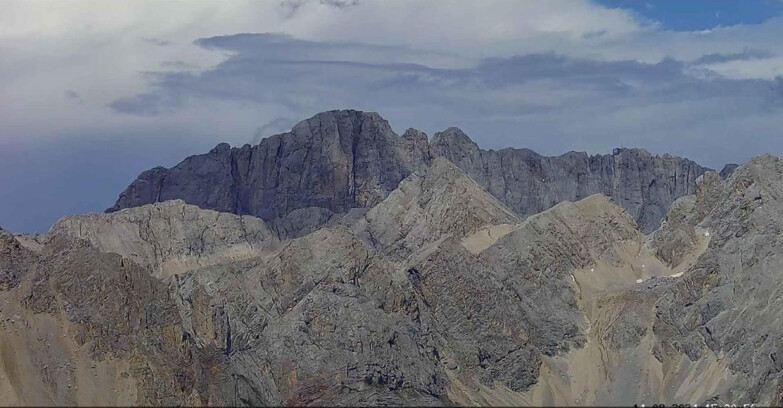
679 235
336 160
92 328
394 276
13 259
333 321
339 160
428 206
726 304
170 237
537 259
726 171
456 301
644 184
502 312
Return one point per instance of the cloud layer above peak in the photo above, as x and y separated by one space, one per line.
525 100
551 76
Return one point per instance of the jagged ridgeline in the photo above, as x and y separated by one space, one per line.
340 160
392 270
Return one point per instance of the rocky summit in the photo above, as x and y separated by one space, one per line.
343 264
340 160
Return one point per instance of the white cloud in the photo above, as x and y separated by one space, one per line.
478 28
101 49
549 75
763 68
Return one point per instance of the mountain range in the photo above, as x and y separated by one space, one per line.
340 160
343 264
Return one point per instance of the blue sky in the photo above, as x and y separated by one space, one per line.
693 15
94 93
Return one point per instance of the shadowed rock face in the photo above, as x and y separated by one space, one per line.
339 160
643 184
324 319
13 257
678 235
727 170
335 160
438 295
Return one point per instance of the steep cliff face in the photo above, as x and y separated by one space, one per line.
324 319
335 160
679 235
727 170
728 303
13 256
439 295
340 160
643 184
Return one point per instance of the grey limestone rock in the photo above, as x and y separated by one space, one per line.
678 235
113 311
393 271
302 221
331 320
536 261
644 184
339 160
728 301
727 170
563 307
429 205
13 258
336 160
170 237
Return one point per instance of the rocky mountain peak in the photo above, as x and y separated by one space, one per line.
221 149
12 256
339 122
344 159
444 170
416 137
336 160
438 294
455 145
763 161
452 136
727 170
170 237
428 205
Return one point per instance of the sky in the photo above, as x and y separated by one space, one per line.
92 93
